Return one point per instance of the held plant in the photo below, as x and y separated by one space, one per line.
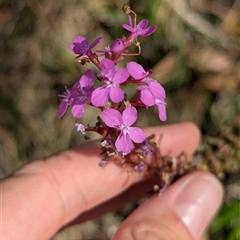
121 142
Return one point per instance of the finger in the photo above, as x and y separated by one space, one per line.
52 192
134 193
176 138
182 212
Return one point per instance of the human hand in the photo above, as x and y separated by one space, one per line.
46 195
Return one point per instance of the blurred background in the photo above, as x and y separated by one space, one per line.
195 55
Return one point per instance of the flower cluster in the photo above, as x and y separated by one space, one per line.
120 138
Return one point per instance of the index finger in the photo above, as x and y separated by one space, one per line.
45 195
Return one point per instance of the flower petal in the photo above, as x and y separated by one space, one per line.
78 110
162 112
136 70
100 96
75 86
95 42
112 118
128 27
142 24
87 79
157 89
88 93
136 134
130 20
116 94
62 109
107 68
80 45
142 87
129 116
123 144
79 39
121 75
147 31
147 98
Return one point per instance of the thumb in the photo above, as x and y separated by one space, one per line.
182 212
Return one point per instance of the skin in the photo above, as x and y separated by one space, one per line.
64 189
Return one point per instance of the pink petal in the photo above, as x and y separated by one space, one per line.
100 96
136 70
112 117
142 24
62 109
88 93
157 90
76 85
95 42
79 39
121 75
107 68
129 116
80 45
142 87
136 134
128 27
130 20
147 98
162 112
78 110
87 79
116 94
123 144
147 31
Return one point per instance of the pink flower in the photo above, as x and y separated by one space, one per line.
111 88
81 45
77 96
140 29
154 94
123 122
81 128
67 99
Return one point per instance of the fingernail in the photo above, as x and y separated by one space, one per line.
197 202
